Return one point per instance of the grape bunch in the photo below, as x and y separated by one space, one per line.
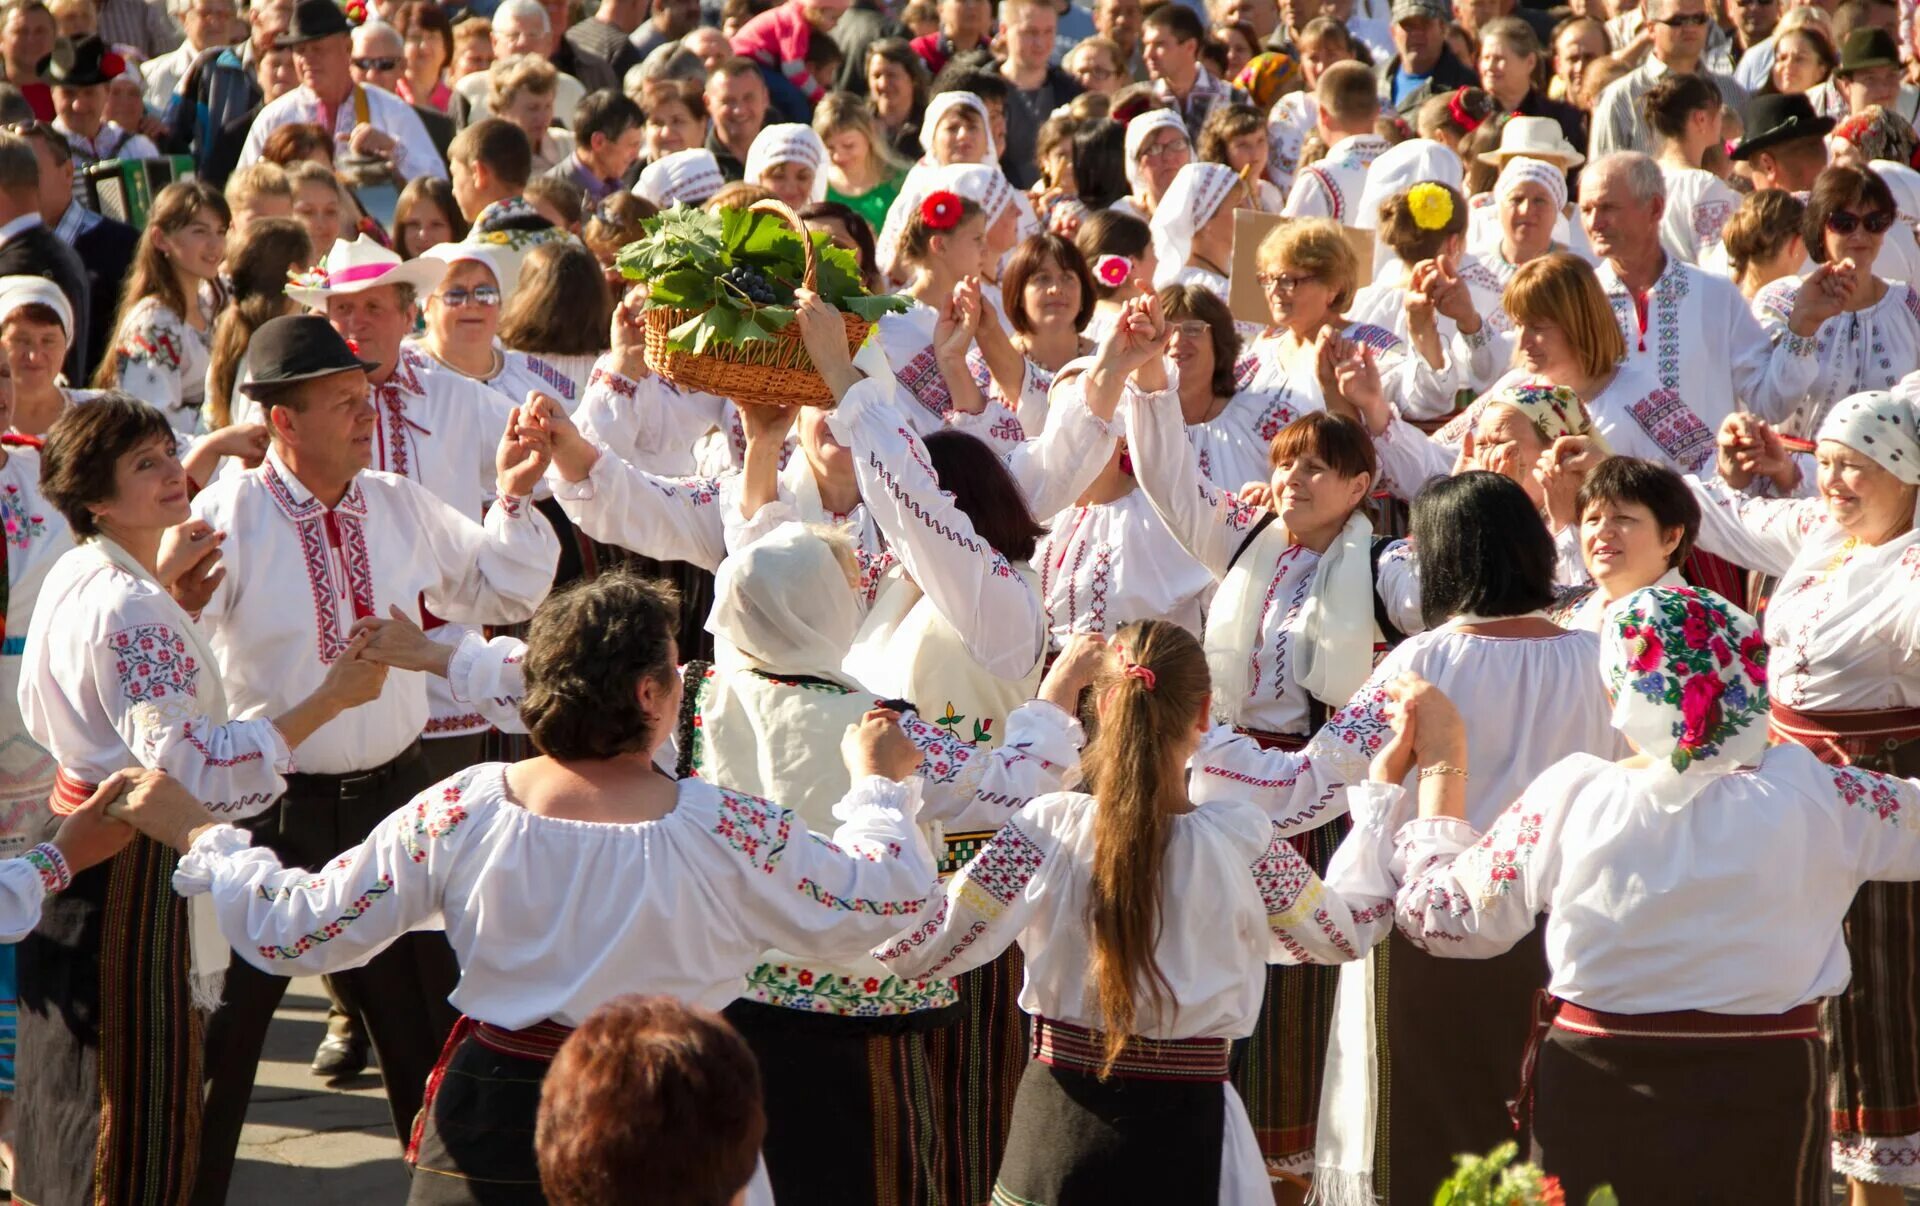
751 283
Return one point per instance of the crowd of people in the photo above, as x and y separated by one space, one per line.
1365 607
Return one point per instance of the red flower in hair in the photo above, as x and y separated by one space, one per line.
112 65
940 210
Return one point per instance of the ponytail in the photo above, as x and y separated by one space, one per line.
1151 694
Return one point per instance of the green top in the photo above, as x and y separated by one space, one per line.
874 203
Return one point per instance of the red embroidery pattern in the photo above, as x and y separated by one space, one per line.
1504 871
152 663
433 818
333 929
602 379
1674 426
1864 789
922 378
309 518
754 827
1003 869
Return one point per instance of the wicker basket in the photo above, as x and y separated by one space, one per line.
775 372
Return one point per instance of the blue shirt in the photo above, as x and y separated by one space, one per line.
1405 82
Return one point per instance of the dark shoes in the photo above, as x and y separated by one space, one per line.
339 1058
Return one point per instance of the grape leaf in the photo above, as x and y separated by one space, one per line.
871 307
682 287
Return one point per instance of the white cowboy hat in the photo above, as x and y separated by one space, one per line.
1536 138
360 265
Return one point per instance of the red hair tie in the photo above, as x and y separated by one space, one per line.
940 210
1458 112
1136 670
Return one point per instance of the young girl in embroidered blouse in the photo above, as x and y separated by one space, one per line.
163 327
590 812
1146 923
943 242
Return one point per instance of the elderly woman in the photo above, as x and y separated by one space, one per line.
897 90
591 810
36 325
116 675
1518 222
1158 146
1844 626
1745 863
1875 338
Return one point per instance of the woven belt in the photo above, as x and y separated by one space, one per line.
1063 1045
1840 737
541 1040
1802 1021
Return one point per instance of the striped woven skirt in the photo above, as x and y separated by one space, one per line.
472 1143
1279 1070
1873 1028
845 1095
1683 1107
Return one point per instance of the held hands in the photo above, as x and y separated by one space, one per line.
189 563
398 642
1256 494
353 679
522 458
878 746
957 324
1426 730
1749 448
1824 292
1137 344
1439 287
156 804
1073 671
90 835
1561 471
572 453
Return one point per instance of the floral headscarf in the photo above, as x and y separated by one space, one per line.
1687 672
1879 134
1556 410
1267 75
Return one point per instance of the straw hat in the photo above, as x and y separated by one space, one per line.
1535 138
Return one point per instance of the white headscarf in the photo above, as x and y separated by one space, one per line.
937 108
502 262
1880 427
1139 129
1196 194
18 291
788 142
1521 170
983 184
783 605
689 177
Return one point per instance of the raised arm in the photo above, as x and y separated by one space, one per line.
1209 523
1761 533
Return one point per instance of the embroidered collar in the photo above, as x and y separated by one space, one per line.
297 502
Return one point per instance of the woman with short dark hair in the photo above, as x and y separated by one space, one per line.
1875 339
569 878
1048 294
116 676
1637 525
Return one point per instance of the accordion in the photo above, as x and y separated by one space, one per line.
124 189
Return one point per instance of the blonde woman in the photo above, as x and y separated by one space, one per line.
863 173
522 89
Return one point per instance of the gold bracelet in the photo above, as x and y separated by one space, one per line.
1442 768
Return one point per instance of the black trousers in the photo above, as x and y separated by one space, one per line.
401 993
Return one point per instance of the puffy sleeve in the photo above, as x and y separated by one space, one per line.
1472 896
1880 821
1210 524
289 921
145 675
1309 922
1761 533
648 423
25 884
490 677
968 789
830 899
987 902
666 518
1055 467
993 608
1396 581
494 572
1409 457
1772 376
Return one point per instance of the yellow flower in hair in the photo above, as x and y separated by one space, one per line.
1431 206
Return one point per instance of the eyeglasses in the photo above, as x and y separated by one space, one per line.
1842 223
377 64
1683 21
479 295
1165 149
1097 73
1192 328
1281 282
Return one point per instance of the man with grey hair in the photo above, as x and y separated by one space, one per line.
1679 42
519 27
209 24
29 248
1692 329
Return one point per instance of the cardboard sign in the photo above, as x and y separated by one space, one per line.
1245 297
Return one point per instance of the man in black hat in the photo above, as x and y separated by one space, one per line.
80 99
314 543
1786 142
367 122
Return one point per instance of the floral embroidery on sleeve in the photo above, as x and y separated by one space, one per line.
433 817
152 663
355 909
1874 793
756 828
1295 897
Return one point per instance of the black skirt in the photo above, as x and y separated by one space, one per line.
1077 1141
851 1109
1720 1122
473 1142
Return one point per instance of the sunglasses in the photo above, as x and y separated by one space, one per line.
1842 223
1684 21
479 295
377 64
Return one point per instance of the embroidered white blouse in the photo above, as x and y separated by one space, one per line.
163 362
651 423
906 339
108 682
1103 567
1698 206
683 905
1766 862
1843 625
562 378
1331 187
298 575
37 536
1856 351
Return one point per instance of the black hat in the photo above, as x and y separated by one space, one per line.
83 62
1866 49
313 20
296 347
1779 117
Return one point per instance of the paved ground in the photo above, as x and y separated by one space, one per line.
306 1144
